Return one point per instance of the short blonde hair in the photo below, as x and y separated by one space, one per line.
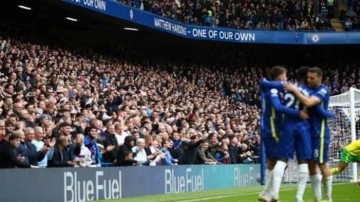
140 140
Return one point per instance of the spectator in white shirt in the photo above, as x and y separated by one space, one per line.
84 157
39 143
120 134
139 151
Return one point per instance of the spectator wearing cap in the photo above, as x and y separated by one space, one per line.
9 157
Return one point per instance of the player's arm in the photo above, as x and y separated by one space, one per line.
307 101
275 101
324 113
271 84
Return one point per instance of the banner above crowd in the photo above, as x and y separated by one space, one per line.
123 12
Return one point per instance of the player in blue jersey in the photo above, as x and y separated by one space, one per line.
298 132
295 136
272 112
319 130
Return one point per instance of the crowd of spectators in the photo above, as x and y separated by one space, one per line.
116 109
245 14
351 17
63 108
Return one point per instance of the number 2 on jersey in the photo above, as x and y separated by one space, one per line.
291 101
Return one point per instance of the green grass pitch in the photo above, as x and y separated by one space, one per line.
341 192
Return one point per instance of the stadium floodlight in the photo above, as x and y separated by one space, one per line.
71 19
131 29
24 7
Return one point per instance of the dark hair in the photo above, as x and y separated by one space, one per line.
64 124
8 123
126 153
276 71
14 115
88 129
301 73
316 70
14 136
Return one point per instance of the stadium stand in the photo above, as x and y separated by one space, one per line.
116 101
247 14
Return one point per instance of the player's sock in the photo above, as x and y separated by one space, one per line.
278 173
328 187
303 176
334 171
316 186
268 183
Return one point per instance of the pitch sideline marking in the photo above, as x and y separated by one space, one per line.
241 194
226 196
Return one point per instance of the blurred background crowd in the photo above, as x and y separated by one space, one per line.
63 104
254 14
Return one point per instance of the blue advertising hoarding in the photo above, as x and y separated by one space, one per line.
87 184
123 12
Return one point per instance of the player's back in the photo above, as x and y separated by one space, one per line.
271 119
290 101
296 131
